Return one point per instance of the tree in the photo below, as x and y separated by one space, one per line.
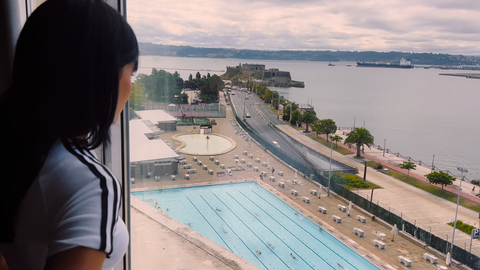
316 127
286 113
184 98
160 85
178 80
296 114
408 165
235 80
137 98
294 106
327 126
268 96
308 117
359 137
336 139
275 103
440 178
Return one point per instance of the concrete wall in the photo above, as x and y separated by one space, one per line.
140 171
167 126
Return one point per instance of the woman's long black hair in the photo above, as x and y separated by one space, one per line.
67 66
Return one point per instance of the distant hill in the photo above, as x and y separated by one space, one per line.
331 56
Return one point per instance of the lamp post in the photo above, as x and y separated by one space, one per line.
384 142
244 101
330 170
433 160
371 196
462 170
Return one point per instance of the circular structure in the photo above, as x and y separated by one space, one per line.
198 144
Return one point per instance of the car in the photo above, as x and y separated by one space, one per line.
248 115
276 144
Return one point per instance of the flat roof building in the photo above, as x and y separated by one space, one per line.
159 118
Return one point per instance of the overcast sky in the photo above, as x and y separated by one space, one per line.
439 26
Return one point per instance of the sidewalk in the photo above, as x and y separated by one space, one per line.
414 205
390 161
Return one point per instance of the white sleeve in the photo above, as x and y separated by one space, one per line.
85 205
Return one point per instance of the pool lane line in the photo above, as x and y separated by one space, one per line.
233 230
303 229
266 246
306 230
208 223
285 229
254 232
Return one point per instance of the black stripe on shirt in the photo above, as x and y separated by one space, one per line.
104 197
116 192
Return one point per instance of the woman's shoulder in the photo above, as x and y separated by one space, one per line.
69 169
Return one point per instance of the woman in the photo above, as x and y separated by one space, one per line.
71 79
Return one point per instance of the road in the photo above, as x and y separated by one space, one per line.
261 120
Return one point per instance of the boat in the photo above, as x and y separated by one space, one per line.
331 65
403 64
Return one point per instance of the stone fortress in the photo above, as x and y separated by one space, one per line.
272 76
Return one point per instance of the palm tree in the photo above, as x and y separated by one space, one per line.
336 139
308 117
359 137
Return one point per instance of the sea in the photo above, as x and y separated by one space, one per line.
415 112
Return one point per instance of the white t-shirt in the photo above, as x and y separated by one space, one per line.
74 201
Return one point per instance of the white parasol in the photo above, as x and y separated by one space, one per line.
295 174
349 208
449 259
394 232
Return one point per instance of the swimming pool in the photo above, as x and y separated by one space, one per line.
245 218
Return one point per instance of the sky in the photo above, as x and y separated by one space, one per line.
437 26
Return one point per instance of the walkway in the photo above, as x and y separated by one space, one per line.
417 206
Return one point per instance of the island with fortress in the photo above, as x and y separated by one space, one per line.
268 77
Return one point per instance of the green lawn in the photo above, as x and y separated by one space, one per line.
323 141
430 188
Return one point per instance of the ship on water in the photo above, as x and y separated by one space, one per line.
403 64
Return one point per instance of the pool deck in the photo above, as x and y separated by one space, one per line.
151 232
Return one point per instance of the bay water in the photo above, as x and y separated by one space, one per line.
417 111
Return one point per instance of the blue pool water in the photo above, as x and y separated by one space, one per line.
245 218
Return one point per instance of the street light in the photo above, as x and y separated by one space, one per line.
371 196
463 170
244 116
330 171
384 142
433 160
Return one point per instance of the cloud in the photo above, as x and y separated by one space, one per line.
445 26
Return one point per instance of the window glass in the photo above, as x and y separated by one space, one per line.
272 94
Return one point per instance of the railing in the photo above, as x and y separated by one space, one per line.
419 162
345 168
459 254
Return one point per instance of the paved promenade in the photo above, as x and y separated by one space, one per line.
150 232
416 206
